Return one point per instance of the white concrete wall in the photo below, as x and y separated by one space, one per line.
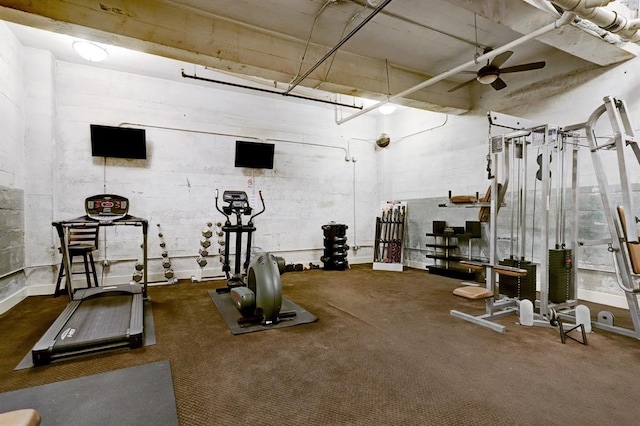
40 167
12 109
191 131
13 158
191 128
427 164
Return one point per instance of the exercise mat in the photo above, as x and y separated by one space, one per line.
141 395
230 313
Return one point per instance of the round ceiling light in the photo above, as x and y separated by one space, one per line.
387 109
90 51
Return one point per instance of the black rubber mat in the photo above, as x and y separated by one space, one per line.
231 314
149 336
141 395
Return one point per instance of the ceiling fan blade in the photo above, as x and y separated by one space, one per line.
461 85
501 58
524 67
499 84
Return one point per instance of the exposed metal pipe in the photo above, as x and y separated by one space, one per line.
338 46
232 135
566 18
275 92
315 20
608 20
326 75
446 119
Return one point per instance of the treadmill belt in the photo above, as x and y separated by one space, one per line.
98 320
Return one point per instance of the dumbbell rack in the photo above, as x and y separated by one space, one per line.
205 248
166 261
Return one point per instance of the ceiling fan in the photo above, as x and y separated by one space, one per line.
490 73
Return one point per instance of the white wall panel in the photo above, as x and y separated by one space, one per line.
191 132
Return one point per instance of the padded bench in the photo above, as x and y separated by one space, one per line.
473 292
24 417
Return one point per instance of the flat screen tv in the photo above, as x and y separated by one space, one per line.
118 142
254 155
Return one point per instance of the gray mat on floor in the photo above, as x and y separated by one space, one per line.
140 395
231 314
149 338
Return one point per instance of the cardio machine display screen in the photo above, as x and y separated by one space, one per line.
106 206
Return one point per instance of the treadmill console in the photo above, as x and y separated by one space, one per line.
106 207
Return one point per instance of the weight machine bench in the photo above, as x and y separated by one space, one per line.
477 292
494 309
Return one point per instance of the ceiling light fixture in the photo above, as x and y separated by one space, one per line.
90 51
387 109
488 74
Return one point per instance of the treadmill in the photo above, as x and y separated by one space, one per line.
97 318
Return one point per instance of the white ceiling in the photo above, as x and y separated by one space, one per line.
277 40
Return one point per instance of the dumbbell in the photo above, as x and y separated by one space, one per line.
168 273
166 263
201 261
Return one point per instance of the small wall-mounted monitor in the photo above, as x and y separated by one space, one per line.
254 155
118 142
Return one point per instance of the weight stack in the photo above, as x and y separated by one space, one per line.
335 247
560 276
519 287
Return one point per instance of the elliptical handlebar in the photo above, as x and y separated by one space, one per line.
261 211
218 208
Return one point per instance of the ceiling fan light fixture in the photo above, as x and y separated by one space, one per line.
90 51
487 78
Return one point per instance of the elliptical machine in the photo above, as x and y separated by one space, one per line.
256 289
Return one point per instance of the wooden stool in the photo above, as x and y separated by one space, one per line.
83 241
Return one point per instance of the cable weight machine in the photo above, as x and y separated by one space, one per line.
510 284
